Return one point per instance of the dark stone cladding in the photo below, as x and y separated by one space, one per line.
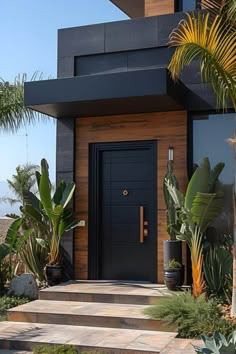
127 35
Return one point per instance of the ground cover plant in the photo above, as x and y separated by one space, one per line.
193 317
58 349
7 302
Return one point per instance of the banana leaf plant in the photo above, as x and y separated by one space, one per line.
51 214
196 210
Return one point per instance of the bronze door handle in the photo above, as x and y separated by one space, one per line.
143 231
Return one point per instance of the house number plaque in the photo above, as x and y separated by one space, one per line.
125 192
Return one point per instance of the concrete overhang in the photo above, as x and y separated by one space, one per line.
138 91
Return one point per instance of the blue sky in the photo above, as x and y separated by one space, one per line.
28 37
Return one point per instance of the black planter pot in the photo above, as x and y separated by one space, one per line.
172 250
54 274
174 277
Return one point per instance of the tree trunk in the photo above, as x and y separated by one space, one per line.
233 305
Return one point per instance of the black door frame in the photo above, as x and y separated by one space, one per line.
95 152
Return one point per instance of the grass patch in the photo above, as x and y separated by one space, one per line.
7 302
193 317
58 349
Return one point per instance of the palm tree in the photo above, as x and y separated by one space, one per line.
23 180
13 113
210 38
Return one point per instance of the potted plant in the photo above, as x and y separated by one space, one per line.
52 214
173 274
173 246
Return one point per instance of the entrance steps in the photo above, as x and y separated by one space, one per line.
69 314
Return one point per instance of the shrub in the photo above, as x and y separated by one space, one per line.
7 302
193 317
55 349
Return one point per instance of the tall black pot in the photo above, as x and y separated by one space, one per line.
172 250
54 274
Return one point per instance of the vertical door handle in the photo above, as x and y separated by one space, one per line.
141 221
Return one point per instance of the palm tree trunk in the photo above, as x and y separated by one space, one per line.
233 305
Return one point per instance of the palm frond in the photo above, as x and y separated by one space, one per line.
13 113
199 38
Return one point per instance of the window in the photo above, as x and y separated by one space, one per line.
209 140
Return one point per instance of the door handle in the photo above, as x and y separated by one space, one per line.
141 220
143 231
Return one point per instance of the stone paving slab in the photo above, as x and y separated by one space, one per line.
106 291
21 335
87 314
182 346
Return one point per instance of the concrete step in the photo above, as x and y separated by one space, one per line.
24 336
106 292
86 314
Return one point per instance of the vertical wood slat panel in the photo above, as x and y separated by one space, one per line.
168 128
159 7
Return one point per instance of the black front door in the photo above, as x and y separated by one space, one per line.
126 197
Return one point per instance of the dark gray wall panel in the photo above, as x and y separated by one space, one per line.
65 67
123 61
131 34
65 171
165 25
101 63
156 57
81 40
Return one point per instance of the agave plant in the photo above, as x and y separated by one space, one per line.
196 211
51 214
218 344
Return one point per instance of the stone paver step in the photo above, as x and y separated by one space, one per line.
24 336
86 314
106 291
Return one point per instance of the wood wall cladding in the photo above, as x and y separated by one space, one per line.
168 128
158 7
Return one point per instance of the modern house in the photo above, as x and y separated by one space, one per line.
119 115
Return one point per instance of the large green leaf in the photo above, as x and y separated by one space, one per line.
59 193
68 194
34 214
4 251
205 208
214 176
31 199
45 187
12 233
68 222
198 183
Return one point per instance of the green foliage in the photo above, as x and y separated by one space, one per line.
55 349
218 344
173 224
172 264
217 267
192 316
13 113
23 180
7 302
51 216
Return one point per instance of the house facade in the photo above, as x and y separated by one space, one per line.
119 116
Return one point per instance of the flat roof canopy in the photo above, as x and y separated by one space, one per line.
119 93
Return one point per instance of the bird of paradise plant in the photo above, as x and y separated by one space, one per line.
196 211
